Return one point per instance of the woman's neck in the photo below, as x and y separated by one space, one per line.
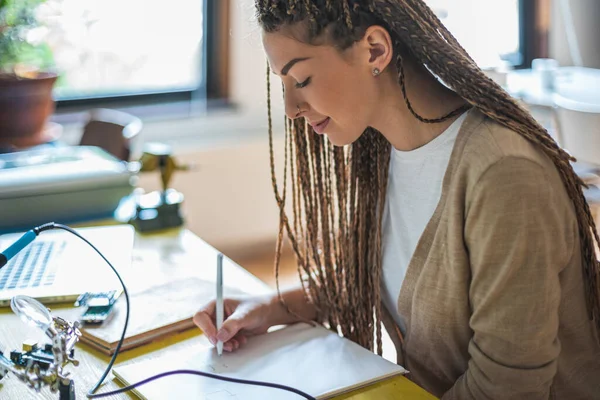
428 97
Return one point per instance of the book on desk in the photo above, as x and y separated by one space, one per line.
156 311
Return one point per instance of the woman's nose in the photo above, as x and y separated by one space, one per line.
293 107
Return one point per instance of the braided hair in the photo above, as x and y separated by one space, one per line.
337 199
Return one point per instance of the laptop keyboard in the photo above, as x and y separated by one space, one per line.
31 267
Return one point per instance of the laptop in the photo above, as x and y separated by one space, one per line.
58 266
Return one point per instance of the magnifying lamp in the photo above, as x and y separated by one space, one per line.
32 312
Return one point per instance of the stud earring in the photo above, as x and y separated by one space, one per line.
376 72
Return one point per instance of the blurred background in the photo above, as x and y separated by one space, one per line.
190 74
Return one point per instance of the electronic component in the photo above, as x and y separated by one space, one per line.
99 305
40 366
34 354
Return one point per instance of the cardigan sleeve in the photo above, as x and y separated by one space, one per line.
519 232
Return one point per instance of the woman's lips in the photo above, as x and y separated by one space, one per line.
320 127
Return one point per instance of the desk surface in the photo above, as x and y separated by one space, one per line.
164 256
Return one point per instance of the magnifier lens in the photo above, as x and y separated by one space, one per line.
31 311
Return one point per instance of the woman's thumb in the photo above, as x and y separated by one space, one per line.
231 326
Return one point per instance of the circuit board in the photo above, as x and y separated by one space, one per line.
98 306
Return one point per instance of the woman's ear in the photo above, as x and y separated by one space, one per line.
378 42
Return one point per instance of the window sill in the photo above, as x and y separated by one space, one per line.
183 127
146 111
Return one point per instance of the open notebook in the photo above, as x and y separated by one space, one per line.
156 311
311 359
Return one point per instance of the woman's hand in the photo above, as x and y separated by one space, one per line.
243 317
249 316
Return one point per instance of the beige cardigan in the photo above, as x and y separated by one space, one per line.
493 296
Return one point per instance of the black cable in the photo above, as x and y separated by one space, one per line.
92 395
208 375
52 225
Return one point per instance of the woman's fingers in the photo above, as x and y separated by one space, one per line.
241 339
204 320
241 319
235 343
233 324
231 345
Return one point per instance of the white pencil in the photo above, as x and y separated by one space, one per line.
219 299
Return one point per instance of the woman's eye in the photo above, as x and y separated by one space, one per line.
302 84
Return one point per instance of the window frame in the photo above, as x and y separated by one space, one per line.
213 89
533 42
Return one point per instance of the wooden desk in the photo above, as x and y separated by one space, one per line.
162 256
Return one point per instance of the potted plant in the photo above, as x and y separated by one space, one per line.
26 75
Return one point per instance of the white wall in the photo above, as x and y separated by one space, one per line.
229 200
247 68
586 17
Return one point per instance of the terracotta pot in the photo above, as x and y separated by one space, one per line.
25 106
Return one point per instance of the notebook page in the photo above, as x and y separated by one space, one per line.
311 359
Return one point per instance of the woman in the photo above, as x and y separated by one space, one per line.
443 211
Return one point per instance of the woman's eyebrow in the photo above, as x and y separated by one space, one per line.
289 65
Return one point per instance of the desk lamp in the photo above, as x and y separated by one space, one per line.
159 209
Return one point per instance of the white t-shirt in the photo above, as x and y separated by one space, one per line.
414 190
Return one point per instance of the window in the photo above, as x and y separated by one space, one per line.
113 48
131 51
489 30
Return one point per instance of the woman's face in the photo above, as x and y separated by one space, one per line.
334 91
